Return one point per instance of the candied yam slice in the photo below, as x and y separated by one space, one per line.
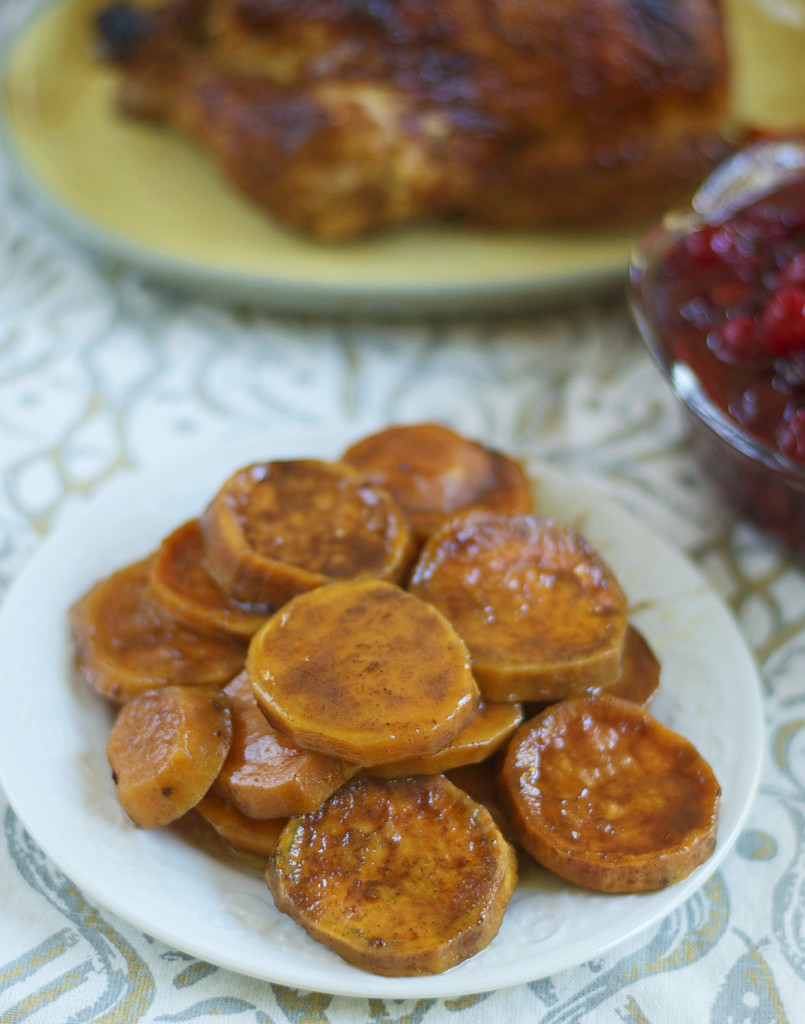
278 529
543 615
266 775
183 585
165 749
126 642
492 726
399 877
603 794
248 835
639 677
480 781
433 472
363 671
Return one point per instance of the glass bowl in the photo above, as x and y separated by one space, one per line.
701 286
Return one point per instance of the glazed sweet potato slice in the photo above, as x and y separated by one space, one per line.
363 671
165 749
480 781
603 794
266 775
126 642
278 529
433 472
543 615
249 835
639 677
182 583
492 726
399 877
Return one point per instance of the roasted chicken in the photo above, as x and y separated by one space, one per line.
344 117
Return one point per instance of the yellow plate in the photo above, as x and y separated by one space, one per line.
141 195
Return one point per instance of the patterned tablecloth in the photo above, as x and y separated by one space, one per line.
101 373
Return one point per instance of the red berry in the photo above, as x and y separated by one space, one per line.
698 250
782 325
791 436
759 408
736 341
726 242
732 295
793 273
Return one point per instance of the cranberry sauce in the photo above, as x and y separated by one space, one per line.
732 298
728 301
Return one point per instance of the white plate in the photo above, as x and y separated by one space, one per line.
220 909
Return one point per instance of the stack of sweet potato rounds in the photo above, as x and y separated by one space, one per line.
390 677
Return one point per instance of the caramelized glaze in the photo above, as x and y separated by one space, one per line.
401 877
126 642
541 612
606 796
277 529
363 671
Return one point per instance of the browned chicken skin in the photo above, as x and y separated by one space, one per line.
342 117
